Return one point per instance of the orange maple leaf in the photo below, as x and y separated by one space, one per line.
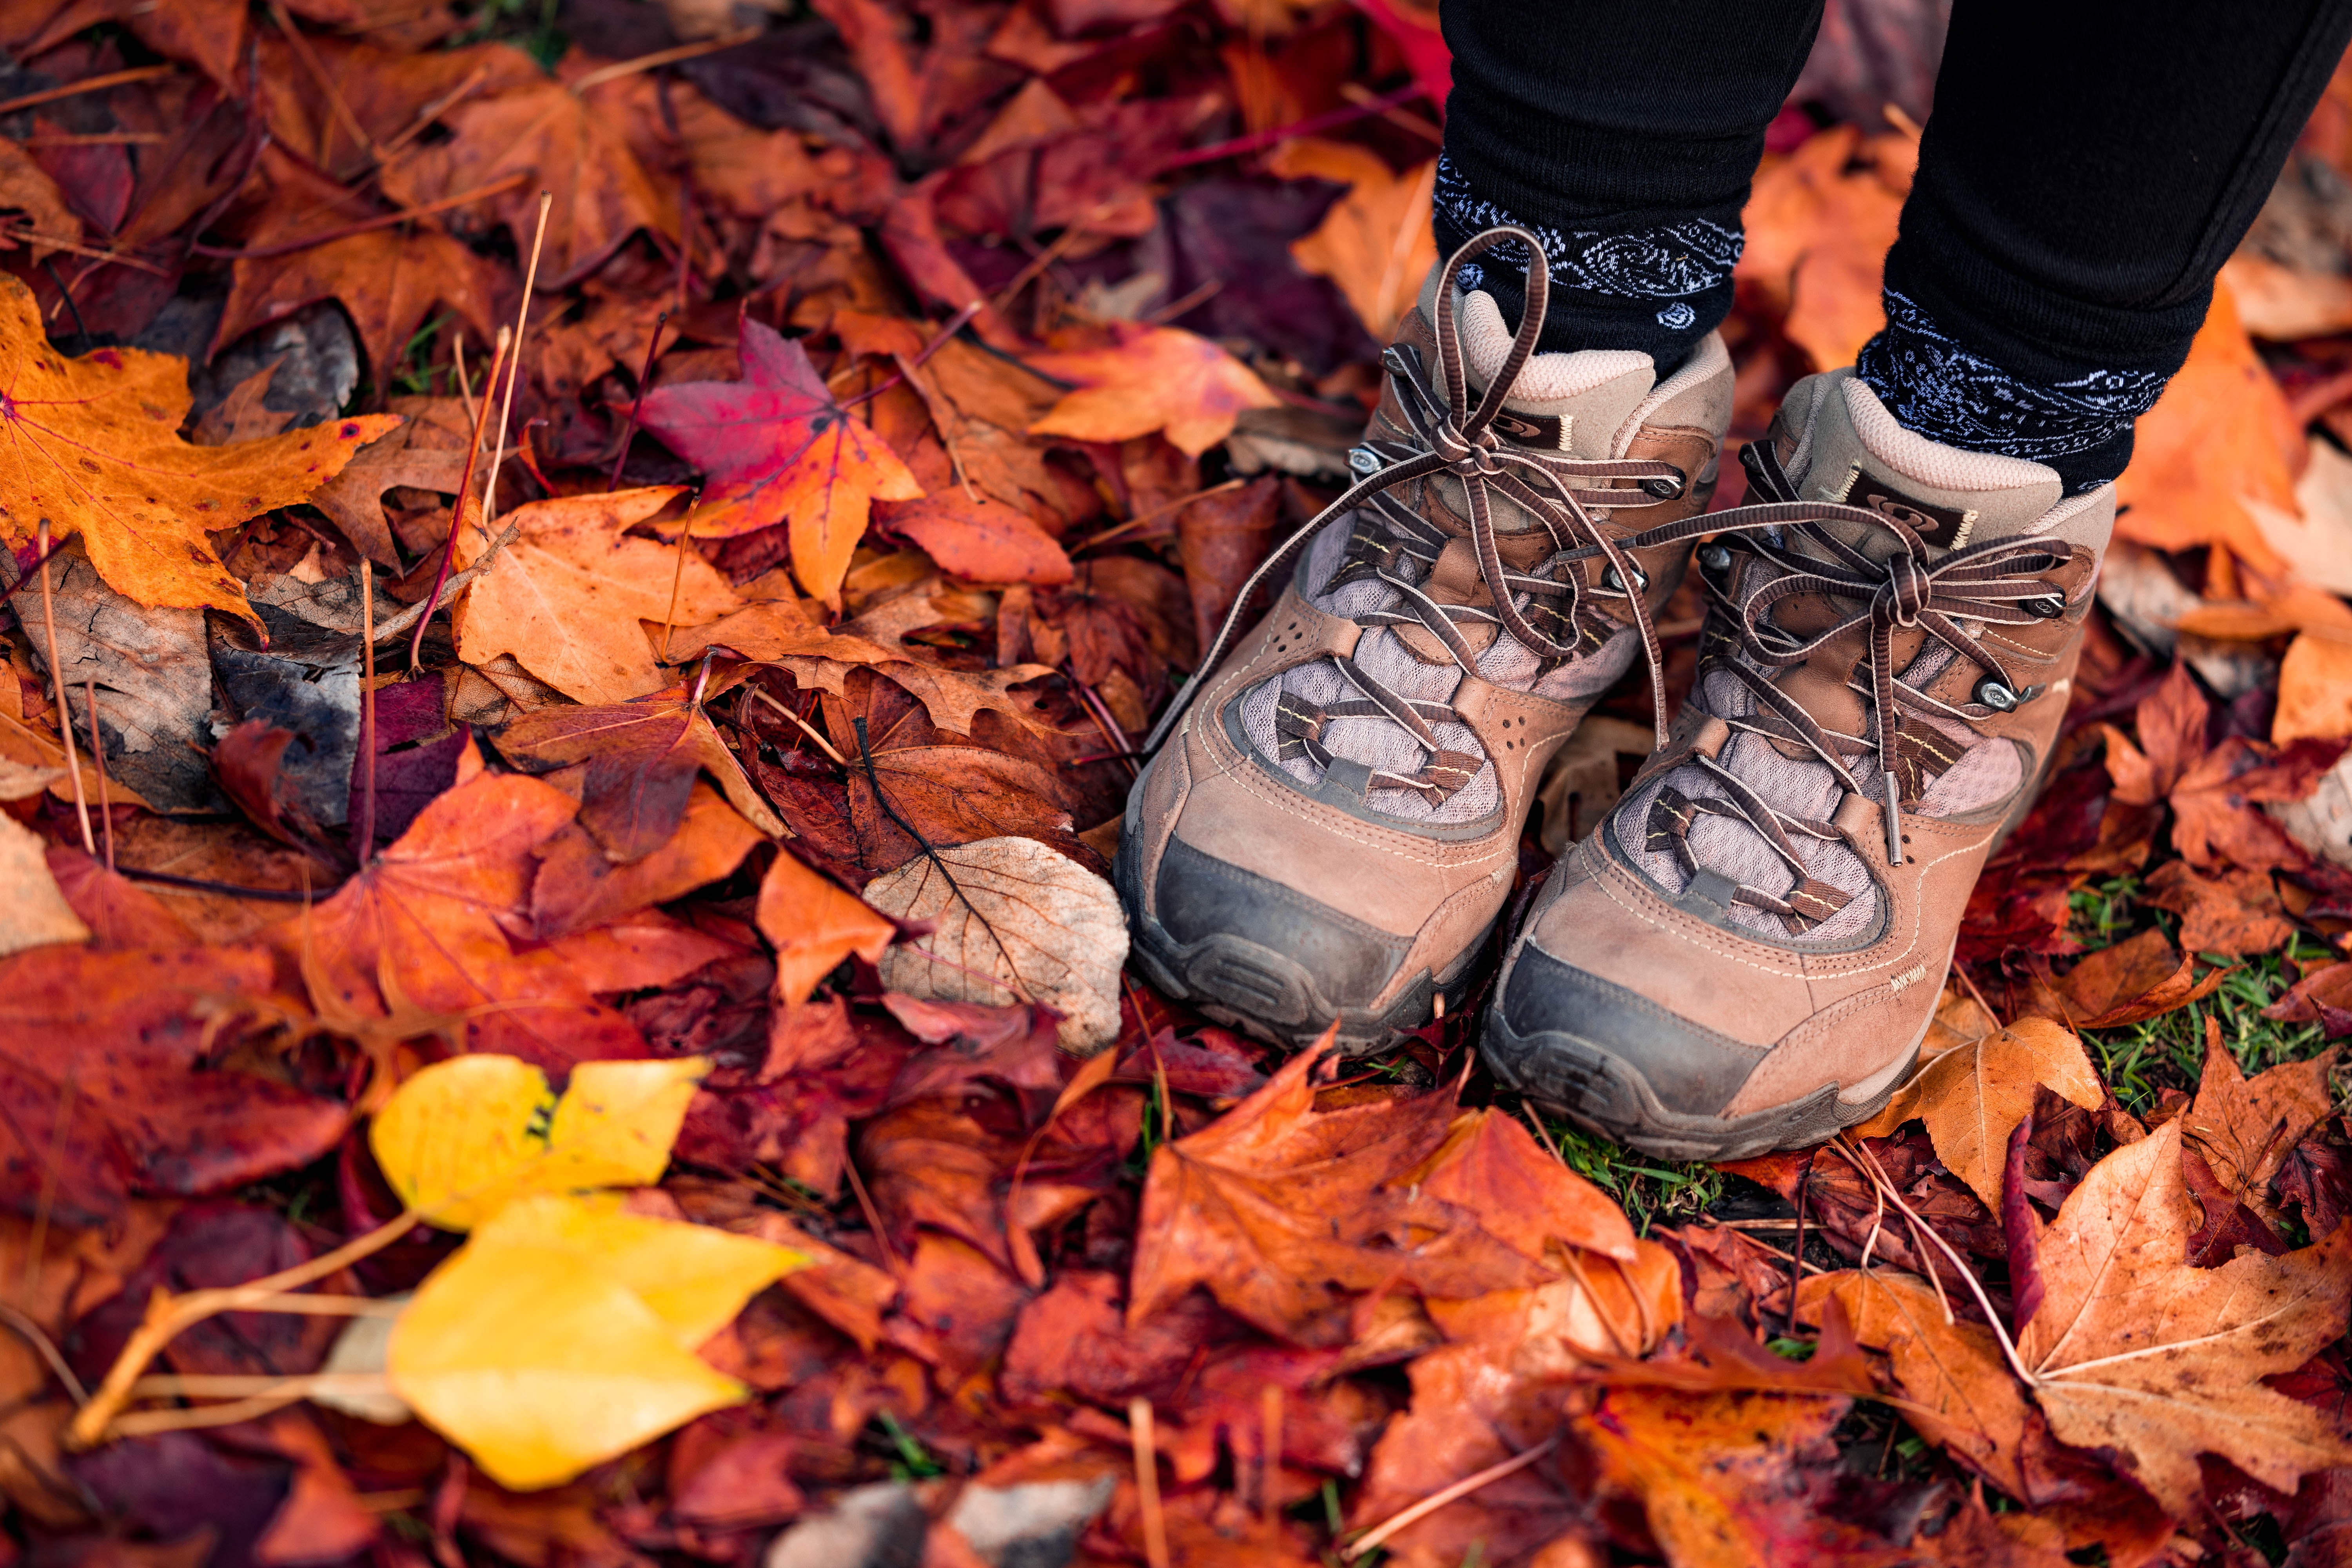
92 445
1147 379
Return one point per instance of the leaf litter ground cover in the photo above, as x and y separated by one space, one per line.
585 583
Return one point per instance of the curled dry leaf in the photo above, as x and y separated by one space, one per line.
2138 978
2133 1350
2245 1128
1013 919
1973 1094
566 597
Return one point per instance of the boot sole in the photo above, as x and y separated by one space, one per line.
1611 1098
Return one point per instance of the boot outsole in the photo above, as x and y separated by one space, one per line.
1605 1094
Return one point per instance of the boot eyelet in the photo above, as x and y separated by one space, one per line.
2049 607
1664 489
1715 559
1996 696
1363 460
1616 584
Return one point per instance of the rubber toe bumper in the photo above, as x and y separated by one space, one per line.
1266 959
1618 1064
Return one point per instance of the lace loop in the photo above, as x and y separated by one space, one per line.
1453 438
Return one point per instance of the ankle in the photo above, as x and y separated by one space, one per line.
2078 423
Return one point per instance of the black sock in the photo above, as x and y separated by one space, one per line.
1659 292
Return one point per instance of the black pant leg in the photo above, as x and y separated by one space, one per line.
2089 166
1623 134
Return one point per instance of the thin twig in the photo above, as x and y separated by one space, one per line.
37 1249
890 1258
522 321
1147 1480
326 85
1543 1133
365 226
226 889
98 755
805 727
956 323
1156 513
457 508
31 1333
2008 1345
645 384
57 689
677 581
86 84
1797 1248
668 56
363 838
1436 1501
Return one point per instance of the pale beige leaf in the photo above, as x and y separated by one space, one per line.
566 597
2133 1350
35 914
1974 1095
1045 928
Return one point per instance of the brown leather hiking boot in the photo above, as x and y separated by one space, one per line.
1333 825
1745 954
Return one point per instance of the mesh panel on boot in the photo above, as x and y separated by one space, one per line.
1382 744
1806 789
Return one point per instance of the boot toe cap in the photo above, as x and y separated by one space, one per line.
1221 933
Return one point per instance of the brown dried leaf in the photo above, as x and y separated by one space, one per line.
1973 1096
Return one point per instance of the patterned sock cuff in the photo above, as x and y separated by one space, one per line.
1658 290
2081 427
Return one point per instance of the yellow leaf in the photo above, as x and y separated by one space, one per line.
464 1137
540 1366
694 1278
1375 242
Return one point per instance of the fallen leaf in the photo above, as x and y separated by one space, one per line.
1011 919
1147 379
464 1137
2134 1350
2231 914
578 887
2313 681
555 142
431 924
777 449
1375 242
32 913
1279 1211
1224 538
539 1363
1721 1478
132 1032
2220 435
823 660
979 539
815 926
1490 1166
695 1277
641 759
1971 1097
2246 1127
1819 223
1962 1396
95 449
2138 978
566 596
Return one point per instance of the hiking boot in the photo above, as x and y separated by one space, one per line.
1745 954
1334 824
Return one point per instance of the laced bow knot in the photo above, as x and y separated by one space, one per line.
1906 590
1452 438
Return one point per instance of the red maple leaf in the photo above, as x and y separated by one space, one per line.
776 447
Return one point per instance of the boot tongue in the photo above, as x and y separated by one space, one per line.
1572 404
1853 452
